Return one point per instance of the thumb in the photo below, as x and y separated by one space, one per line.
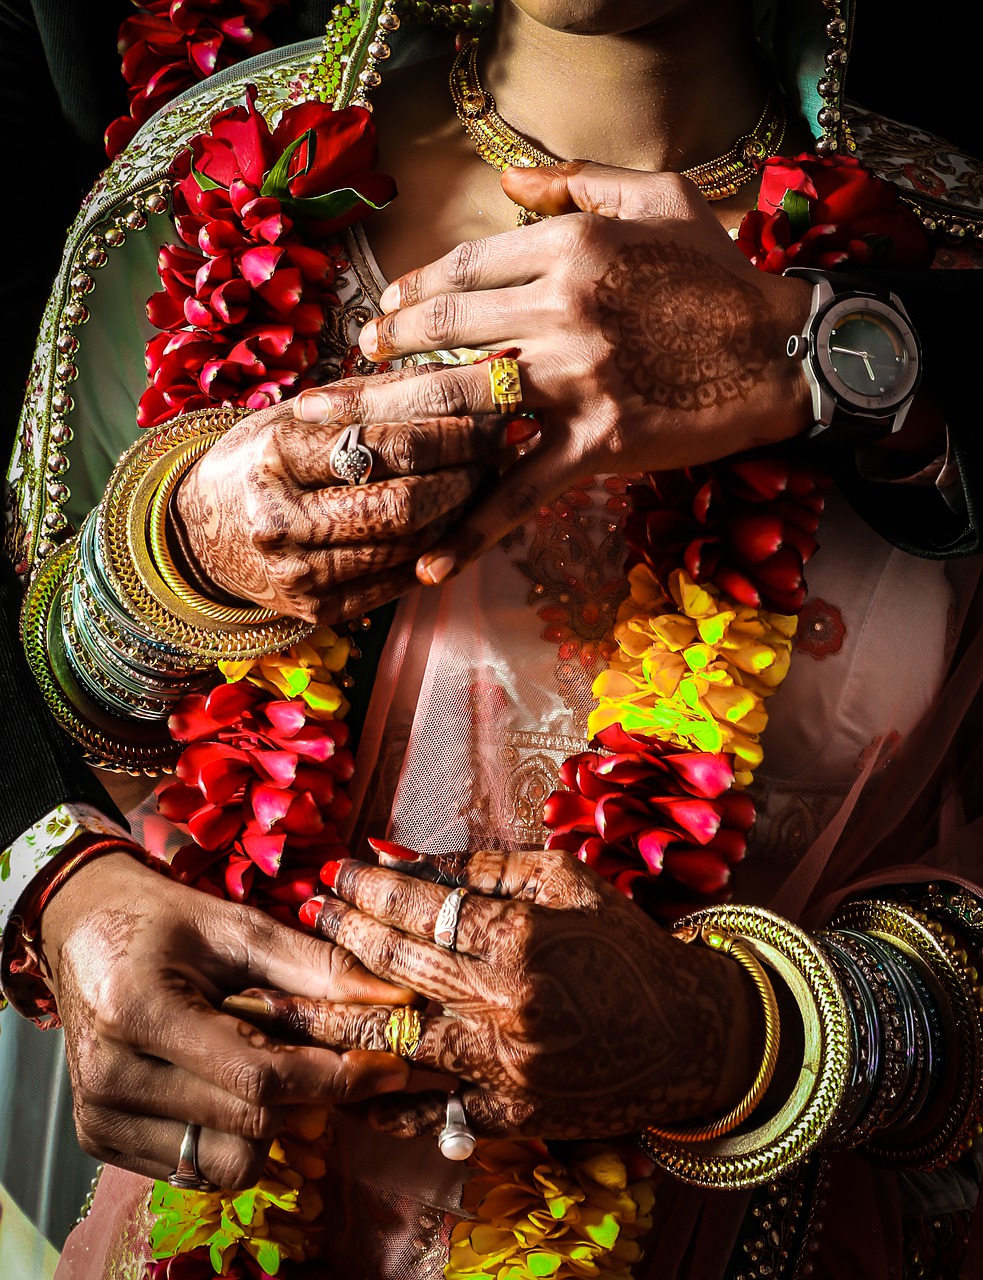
572 185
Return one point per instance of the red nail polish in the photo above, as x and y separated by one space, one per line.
391 850
519 430
329 873
310 911
510 353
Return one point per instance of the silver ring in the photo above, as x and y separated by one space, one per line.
350 460
186 1176
455 1140
445 928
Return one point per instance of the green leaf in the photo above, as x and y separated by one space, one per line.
879 244
275 182
331 205
796 205
204 181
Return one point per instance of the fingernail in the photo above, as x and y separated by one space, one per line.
313 408
329 874
248 1006
387 849
519 430
310 911
390 298
391 1083
368 339
435 570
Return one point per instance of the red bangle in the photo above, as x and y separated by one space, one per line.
93 848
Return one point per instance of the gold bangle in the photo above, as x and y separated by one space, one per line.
745 1159
100 736
147 539
130 570
928 945
735 1117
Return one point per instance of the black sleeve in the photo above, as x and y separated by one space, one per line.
946 309
39 766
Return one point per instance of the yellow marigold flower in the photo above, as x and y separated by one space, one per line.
271 1221
536 1217
693 668
306 670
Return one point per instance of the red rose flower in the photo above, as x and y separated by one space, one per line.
647 809
843 214
744 526
170 45
258 781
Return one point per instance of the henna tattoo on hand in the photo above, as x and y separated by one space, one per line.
683 330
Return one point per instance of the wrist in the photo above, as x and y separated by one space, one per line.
184 532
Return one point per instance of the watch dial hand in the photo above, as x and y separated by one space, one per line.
848 351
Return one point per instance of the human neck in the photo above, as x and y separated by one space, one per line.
669 96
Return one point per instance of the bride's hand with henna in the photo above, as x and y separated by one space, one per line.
264 518
647 341
567 1012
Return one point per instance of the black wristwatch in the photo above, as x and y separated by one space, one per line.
860 356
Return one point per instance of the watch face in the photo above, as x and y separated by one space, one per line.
868 353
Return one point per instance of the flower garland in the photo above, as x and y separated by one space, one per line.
170 45
658 806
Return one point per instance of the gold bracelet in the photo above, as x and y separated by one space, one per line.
745 1159
927 944
134 576
734 1118
147 539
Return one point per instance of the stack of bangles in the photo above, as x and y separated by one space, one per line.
121 630
887 1050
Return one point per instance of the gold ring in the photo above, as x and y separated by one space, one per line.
403 1032
506 385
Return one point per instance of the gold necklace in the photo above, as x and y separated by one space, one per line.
499 145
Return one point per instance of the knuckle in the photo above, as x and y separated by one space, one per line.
395 508
395 902
257 1124
404 451
235 1165
439 319
444 395
464 263
347 401
252 1082
389 952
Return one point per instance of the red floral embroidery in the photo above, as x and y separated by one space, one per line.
821 629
